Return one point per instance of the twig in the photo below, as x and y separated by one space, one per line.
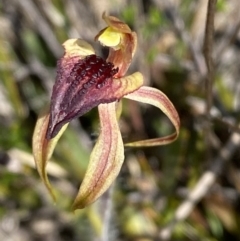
107 215
80 16
37 68
33 15
202 187
52 13
230 35
208 51
179 26
228 122
105 205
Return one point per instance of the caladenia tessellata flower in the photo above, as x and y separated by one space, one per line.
84 81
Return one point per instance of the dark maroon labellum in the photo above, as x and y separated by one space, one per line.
80 85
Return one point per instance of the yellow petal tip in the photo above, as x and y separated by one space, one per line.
78 47
110 38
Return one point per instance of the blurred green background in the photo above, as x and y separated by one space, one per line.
153 181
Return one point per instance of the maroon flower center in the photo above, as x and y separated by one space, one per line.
95 69
78 88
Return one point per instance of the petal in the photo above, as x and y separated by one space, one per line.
157 98
122 57
105 161
116 28
116 24
110 37
77 47
122 42
43 148
83 84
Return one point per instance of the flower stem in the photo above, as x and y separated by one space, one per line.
106 208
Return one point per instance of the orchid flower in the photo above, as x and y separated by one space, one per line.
84 81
